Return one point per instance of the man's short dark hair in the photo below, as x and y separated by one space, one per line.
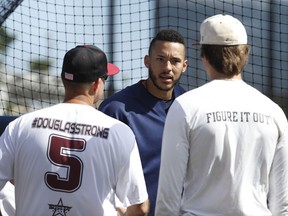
167 35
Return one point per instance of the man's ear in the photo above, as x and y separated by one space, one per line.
147 61
95 84
185 65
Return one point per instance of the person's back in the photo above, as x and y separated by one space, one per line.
232 146
75 178
71 159
228 141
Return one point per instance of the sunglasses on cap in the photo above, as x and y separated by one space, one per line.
104 77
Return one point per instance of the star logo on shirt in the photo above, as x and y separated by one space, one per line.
59 209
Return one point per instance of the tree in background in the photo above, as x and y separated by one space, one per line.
5 39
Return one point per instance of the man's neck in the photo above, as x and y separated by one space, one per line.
79 100
161 94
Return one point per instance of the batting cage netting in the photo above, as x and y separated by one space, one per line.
35 35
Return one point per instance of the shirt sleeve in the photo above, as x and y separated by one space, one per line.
7 152
131 187
7 200
278 187
174 158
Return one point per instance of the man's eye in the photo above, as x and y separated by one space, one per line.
175 61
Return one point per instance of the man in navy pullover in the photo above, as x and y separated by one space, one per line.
143 106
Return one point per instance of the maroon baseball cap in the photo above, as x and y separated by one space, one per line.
86 63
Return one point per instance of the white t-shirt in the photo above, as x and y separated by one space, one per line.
224 152
71 159
7 200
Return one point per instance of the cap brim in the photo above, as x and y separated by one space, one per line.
112 69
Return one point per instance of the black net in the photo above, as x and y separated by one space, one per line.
35 37
7 7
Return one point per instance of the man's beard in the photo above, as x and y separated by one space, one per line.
154 81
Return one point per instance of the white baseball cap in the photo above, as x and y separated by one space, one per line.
222 30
